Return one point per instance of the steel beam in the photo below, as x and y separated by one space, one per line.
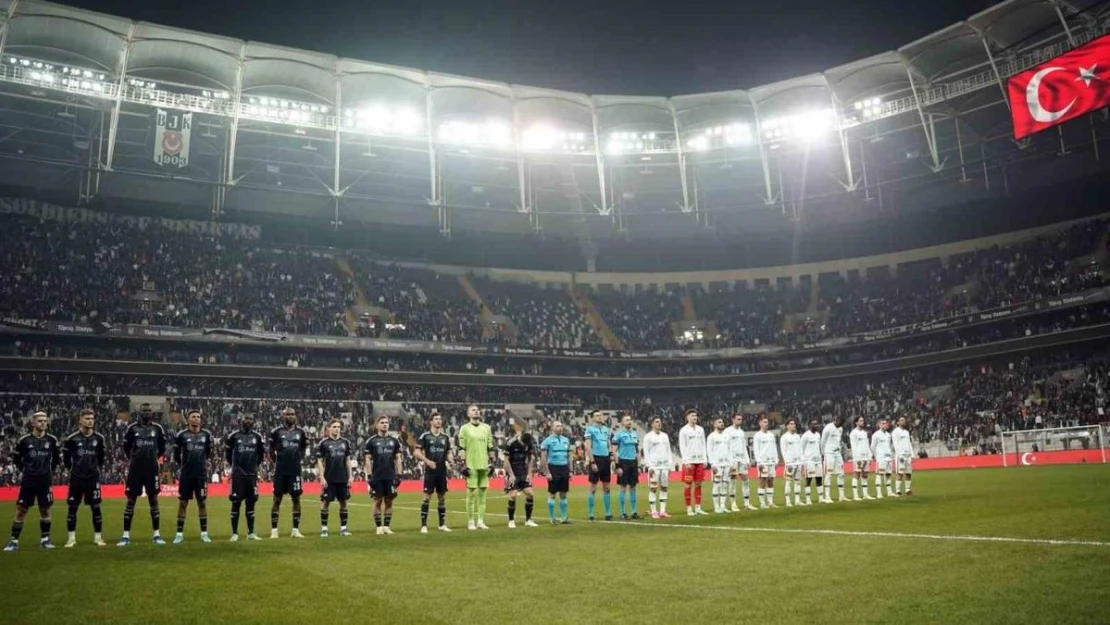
338 104
429 128
851 183
770 198
686 207
233 131
927 125
6 26
113 129
605 208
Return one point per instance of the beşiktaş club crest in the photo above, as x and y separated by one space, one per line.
171 137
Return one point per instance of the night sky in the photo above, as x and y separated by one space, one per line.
652 47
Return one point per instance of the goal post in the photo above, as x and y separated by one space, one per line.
1070 445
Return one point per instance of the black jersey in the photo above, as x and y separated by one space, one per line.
37 456
520 450
287 447
435 448
244 451
191 452
84 455
335 454
144 445
381 450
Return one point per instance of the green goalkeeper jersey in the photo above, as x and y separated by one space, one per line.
476 442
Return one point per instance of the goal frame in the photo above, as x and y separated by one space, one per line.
1013 456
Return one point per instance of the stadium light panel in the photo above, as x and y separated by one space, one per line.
544 137
802 126
728 135
492 133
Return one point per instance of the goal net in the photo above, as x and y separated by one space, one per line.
1070 445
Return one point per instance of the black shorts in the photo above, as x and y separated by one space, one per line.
435 483
517 484
559 482
138 482
84 490
382 488
604 470
630 473
244 489
336 490
287 485
192 488
35 489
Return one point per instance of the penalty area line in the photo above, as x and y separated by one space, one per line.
862 534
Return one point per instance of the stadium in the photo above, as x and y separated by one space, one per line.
857 320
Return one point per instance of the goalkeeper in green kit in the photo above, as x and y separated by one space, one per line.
476 442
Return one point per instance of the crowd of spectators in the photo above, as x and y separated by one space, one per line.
423 304
543 318
641 320
149 274
958 406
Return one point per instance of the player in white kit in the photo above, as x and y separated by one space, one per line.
791 444
720 461
741 462
834 458
882 450
861 458
903 458
766 451
656 447
691 450
811 459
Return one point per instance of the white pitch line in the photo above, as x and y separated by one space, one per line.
820 532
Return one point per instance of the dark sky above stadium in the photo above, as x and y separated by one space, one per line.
650 47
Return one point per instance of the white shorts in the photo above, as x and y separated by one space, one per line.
905 464
811 468
861 465
792 471
658 476
883 464
767 470
834 464
722 472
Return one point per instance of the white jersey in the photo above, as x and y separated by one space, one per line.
903 448
719 455
881 447
811 447
766 448
657 450
830 439
861 447
791 445
737 445
691 444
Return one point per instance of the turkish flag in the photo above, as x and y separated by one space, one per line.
1070 85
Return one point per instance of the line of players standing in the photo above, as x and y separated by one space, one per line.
813 456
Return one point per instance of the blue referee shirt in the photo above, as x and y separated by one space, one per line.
627 442
557 447
598 435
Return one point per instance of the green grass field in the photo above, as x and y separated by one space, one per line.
821 564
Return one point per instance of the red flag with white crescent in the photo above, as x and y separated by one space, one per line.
1071 85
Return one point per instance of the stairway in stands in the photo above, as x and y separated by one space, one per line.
350 317
589 310
486 315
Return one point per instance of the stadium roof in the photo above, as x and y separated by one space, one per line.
643 164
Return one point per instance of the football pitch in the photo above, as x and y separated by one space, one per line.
1028 545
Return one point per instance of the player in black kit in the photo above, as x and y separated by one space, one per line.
520 449
287 446
37 455
433 450
191 452
383 470
243 451
144 444
83 455
333 465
